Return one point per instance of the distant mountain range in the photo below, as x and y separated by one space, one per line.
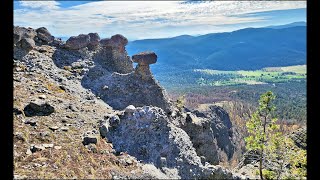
244 49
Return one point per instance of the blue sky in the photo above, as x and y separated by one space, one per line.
157 19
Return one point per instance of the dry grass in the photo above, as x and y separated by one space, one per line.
73 160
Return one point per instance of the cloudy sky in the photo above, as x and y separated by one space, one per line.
154 19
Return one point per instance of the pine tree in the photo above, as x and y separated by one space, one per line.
262 129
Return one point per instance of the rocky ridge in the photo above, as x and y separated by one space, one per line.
87 87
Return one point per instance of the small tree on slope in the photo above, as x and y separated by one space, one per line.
262 129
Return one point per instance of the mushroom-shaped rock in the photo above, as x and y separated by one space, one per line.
44 35
78 42
145 58
94 40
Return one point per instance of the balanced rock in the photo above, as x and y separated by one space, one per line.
144 59
78 42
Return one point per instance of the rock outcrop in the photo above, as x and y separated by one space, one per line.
149 134
300 138
212 134
86 84
44 36
78 42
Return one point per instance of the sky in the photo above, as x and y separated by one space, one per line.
154 19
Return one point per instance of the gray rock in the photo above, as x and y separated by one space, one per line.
57 147
32 122
77 42
94 40
150 136
90 139
212 135
37 147
130 109
92 148
44 35
47 145
28 152
106 42
104 128
26 44
119 40
64 129
54 128
145 58
114 121
38 108
20 33
299 137
19 136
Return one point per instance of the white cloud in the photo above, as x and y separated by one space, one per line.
143 19
45 5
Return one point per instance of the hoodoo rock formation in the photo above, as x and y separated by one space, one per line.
93 84
144 59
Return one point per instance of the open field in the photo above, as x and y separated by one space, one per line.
263 76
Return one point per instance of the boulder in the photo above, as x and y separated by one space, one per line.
32 122
38 147
145 58
94 40
130 109
44 35
26 44
119 40
22 33
106 42
90 139
114 121
78 42
38 108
